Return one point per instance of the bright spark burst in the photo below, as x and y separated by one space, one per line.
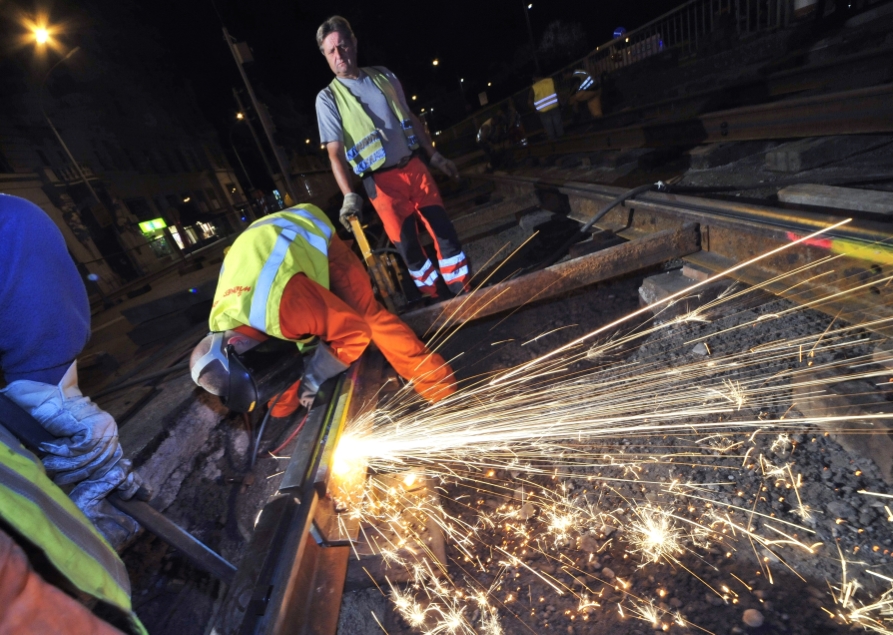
549 421
655 535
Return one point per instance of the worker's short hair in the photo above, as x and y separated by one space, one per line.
335 23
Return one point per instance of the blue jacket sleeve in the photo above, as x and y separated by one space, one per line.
44 310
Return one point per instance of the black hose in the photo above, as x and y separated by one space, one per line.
848 180
260 432
142 379
582 233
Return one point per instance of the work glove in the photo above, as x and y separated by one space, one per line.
322 366
90 497
86 453
352 206
445 165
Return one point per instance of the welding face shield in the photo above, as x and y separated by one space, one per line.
242 380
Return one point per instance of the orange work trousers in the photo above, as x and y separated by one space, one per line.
31 606
353 317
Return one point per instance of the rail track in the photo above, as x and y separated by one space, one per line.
712 235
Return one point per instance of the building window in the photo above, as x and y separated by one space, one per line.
216 156
187 166
171 164
196 161
98 156
5 166
140 208
150 162
133 164
212 196
117 157
233 191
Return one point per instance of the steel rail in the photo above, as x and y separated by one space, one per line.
860 111
691 208
292 572
736 232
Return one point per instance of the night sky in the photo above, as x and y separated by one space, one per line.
480 41
476 40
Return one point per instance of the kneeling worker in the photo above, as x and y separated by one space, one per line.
288 276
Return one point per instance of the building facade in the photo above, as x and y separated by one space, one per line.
151 178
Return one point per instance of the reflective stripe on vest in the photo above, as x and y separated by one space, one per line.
290 231
545 98
41 512
260 263
362 140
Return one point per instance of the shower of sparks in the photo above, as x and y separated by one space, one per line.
506 449
874 615
655 535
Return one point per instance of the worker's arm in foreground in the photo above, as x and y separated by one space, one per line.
39 280
29 605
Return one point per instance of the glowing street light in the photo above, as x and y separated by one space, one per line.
307 141
435 62
240 116
414 97
536 60
41 35
489 84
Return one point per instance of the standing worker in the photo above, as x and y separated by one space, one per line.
50 551
288 276
369 130
544 97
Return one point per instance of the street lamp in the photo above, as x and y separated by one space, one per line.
536 59
43 111
41 35
77 166
435 62
232 144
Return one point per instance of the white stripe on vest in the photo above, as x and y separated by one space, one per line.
258 314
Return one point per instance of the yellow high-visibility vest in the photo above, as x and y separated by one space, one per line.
42 514
261 262
362 140
544 96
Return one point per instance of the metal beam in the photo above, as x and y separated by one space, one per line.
560 278
861 111
292 574
734 232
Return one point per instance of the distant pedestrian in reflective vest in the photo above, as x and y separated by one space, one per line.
544 99
290 277
369 130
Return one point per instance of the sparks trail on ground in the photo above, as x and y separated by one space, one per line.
572 410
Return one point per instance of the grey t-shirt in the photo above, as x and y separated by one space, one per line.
376 106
